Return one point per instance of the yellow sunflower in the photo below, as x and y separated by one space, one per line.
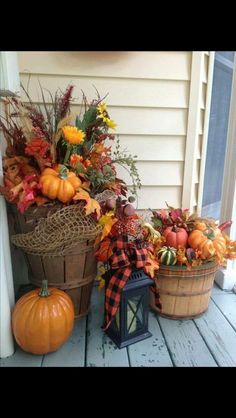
73 135
102 109
110 123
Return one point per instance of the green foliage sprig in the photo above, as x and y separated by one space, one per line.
128 162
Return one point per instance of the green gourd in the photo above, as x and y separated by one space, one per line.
167 256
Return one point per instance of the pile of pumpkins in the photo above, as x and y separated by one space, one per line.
209 241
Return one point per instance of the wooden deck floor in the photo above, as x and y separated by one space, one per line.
208 341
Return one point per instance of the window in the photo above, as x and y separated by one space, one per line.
217 136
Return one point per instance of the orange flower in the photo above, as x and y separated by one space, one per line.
37 146
86 163
73 135
75 158
99 148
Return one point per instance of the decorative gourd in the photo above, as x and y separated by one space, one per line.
167 256
150 233
128 210
175 237
209 242
42 320
110 204
59 184
201 226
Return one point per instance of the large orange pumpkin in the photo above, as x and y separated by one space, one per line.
209 242
175 237
42 320
59 184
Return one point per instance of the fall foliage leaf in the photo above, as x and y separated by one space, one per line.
82 195
104 252
86 185
151 265
93 206
107 221
101 272
182 256
99 149
41 200
101 283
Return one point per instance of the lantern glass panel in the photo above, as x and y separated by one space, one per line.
134 314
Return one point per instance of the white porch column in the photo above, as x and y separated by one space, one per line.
7 299
9 81
226 277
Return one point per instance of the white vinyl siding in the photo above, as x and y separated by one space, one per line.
148 97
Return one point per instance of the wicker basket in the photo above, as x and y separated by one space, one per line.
184 294
74 272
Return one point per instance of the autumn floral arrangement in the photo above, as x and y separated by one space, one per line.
53 156
184 239
125 231
174 237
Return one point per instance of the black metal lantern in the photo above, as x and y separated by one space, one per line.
131 321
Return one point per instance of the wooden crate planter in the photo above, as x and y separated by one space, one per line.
74 272
184 294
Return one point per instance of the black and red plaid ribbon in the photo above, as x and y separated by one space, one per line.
125 255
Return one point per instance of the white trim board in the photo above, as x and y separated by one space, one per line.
9 80
226 278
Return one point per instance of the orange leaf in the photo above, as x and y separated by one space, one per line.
82 195
104 252
40 200
93 206
107 221
99 148
151 266
86 185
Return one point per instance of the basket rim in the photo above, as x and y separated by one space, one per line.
184 268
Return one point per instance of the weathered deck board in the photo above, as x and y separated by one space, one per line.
219 335
101 351
227 305
151 352
206 341
186 345
72 353
21 359
216 290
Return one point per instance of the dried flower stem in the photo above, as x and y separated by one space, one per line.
69 149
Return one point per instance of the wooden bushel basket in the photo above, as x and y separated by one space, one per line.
74 272
184 294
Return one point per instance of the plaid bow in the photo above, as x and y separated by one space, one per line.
125 255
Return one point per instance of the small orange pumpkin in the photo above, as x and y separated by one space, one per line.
59 184
42 320
209 242
175 237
